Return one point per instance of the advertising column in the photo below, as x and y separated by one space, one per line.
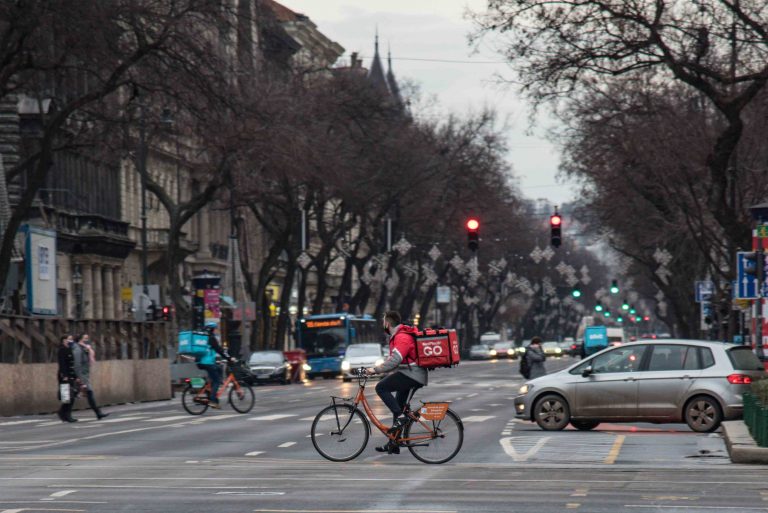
206 301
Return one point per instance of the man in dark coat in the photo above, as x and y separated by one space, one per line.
67 376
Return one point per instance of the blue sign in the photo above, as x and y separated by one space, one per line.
704 291
595 339
746 284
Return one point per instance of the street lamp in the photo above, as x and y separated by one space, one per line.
77 281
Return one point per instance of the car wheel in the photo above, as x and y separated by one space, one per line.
703 414
585 425
552 413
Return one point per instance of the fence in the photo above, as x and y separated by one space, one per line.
36 340
756 418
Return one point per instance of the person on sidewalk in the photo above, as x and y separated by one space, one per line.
84 356
66 376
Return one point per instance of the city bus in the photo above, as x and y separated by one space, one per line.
325 339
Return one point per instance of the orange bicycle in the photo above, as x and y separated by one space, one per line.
340 432
241 396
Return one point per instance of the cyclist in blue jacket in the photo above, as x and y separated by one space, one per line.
208 363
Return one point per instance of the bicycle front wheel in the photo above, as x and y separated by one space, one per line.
188 401
242 400
340 432
435 441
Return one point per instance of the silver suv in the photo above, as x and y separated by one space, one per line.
694 381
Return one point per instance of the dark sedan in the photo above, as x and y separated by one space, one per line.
270 366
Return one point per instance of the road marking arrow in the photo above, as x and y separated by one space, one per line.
506 444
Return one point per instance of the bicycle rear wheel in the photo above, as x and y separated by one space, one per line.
242 401
340 432
437 441
189 403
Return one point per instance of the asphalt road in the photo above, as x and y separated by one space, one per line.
155 457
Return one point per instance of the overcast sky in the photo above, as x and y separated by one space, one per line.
438 29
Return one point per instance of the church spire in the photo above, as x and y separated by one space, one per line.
376 73
394 89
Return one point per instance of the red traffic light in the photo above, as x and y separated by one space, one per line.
473 224
555 220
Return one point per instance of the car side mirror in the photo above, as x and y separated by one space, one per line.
588 370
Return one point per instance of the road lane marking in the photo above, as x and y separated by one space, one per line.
121 419
473 395
276 416
354 511
580 492
741 509
614 452
478 418
250 493
572 505
506 444
254 453
287 444
306 419
17 422
167 419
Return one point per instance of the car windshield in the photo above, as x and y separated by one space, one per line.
363 350
480 347
271 357
743 358
551 345
502 345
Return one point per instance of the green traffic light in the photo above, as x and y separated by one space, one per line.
607 313
598 307
614 287
619 319
632 310
576 293
625 306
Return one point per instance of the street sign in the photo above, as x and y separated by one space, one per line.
443 295
746 285
762 230
704 291
705 319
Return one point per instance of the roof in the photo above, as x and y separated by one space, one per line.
376 73
281 12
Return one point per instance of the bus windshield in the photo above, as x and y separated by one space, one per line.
323 341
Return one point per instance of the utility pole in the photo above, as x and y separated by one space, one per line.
143 174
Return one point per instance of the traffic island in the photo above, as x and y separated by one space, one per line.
742 448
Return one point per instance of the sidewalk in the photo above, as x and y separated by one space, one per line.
741 446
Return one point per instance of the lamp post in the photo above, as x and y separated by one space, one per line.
77 281
143 173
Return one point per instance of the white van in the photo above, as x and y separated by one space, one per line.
616 336
489 338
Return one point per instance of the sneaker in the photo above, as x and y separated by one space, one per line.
389 448
100 416
397 425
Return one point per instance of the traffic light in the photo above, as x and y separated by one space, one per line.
625 305
646 318
598 307
576 292
167 313
607 313
555 226
473 233
614 287
619 319
632 310
752 264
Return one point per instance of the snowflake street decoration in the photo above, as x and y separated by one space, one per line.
502 263
381 259
502 309
663 308
537 255
523 283
548 253
457 263
511 278
555 301
304 260
570 271
561 267
470 300
494 268
568 300
634 296
486 307
663 273
572 280
584 270
402 246
410 269
659 296
601 292
662 256
434 253
585 280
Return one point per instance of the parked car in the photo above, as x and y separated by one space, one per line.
697 382
270 366
503 350
552 348
575 349
480 352
360 355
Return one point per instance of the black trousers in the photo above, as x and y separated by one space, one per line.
394 390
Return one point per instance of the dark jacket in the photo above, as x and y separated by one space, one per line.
536 357
66 372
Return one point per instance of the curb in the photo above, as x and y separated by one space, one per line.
742 448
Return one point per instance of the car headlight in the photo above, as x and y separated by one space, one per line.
510 352
378 362
492 352
558 350
525 389
306 367
520 349
345 365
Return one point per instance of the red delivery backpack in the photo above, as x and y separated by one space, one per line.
437 348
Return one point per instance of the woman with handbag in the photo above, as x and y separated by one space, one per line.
67 379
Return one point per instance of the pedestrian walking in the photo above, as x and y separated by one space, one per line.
67 379
535 357
84 356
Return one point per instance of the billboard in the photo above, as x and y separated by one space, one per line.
40 267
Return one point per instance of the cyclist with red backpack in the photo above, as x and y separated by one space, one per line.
395 388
